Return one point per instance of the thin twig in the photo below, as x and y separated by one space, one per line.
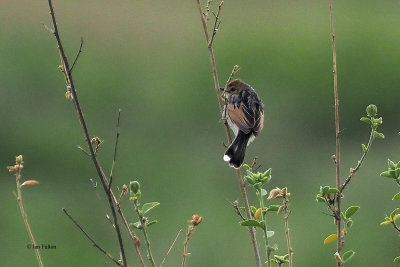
235 205
83 151
227 131
17 168
77 55
115 151
91 239
100 172
170 248
217 22
337 136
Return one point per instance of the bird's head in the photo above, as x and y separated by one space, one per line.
235 87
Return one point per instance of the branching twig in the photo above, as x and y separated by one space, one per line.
226 127
91 239
217 22
77 55
71 87
337 136
17 168
235 205
115 151
170 248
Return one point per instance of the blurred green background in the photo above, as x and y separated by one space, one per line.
149 58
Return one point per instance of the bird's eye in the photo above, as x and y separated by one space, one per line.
232 89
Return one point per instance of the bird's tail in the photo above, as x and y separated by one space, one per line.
235 153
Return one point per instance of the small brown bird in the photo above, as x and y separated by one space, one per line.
244 112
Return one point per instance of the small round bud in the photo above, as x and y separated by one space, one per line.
196 220
372 110
18 159
134 187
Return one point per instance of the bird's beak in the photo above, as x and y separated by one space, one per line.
222 89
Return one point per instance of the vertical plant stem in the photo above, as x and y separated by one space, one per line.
337 137
144 231
25 217
287 230
186 243
71 87
226 127
265 228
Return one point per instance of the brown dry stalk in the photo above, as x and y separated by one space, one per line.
337 137
17 168
186 243
204 21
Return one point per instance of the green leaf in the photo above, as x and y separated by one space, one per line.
267 172
397 259
249 173
281 259
393 213
152 222
366 120
137 225
377 122
364 147
349 223
318 198
388 174
270 234
333 190
148 206
378 135
273 208
249 179
263 192
397 196
324 190
246 166
253 210
391 165
265 179
348 255
351 210
257 185
250 222
272 248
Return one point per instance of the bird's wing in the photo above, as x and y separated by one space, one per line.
242 116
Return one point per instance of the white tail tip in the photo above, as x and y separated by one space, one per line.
227 158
